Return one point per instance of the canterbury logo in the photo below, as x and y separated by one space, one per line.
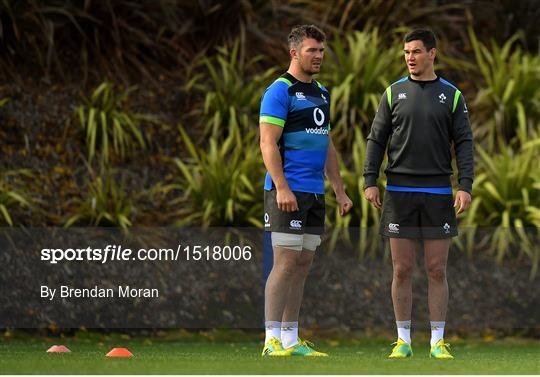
394 228
317 131
296 224
300 96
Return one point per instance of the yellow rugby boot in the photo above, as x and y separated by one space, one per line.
402 350
440 350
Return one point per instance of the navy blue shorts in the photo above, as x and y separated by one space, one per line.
308 219
418 215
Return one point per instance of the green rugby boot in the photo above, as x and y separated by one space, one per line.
402 350
273 348
304 348
440 350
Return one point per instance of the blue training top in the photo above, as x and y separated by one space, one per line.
303 110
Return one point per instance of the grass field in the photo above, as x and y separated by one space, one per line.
159 356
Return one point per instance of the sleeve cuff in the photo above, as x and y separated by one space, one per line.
369 181
272 120
465 184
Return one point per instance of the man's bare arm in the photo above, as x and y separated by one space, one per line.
270 135
333 174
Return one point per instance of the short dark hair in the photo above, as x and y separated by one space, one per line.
300 32
424 35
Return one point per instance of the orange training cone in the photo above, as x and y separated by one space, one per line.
58 349
119 352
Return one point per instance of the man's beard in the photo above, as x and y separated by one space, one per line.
310 71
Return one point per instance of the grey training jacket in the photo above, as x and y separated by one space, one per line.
419 121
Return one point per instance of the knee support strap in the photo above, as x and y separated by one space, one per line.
287 240
311 241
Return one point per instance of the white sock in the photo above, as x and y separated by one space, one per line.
437 332
404 330
289 334
273 330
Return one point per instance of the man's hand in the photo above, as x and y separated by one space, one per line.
345 204
463 199
286 200
372 195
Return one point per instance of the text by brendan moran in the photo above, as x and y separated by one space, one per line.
122 291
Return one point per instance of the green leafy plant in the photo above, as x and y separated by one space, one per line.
508 187
231 90
509 103
363 216
11 194
108 124
506 199
221 183
106 202
358 68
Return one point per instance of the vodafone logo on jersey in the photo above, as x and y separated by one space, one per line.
318 116
317 131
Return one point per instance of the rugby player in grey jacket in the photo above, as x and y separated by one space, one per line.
419 118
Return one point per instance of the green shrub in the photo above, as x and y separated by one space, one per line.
231 89
357 69
106 202
508 102
507 187
221 183
108 124
12 194
363 215
506 196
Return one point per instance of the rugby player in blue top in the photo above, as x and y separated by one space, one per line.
297 151
419 118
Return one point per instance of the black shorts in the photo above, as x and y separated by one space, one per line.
308 219
418 215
